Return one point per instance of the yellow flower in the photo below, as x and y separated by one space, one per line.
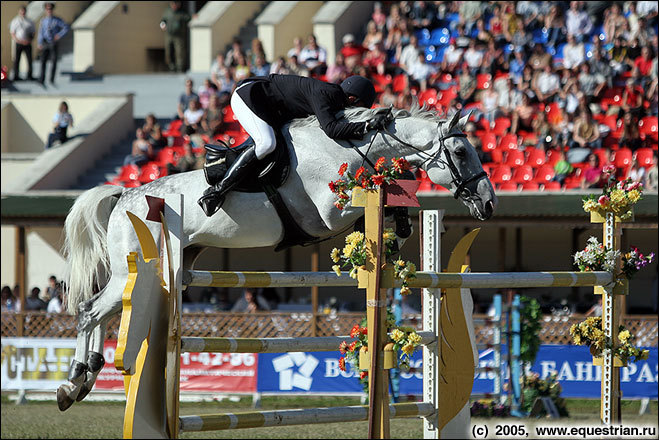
401 263
624 336
335 255
590 206
634 195
408 349
414 338
617 196
644 355
397 335
337 269
354 237
405 290
347 251
353 273
389 234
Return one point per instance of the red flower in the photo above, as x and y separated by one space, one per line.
359 172
332 186
342 364
377 180
364 182
343 168
364 331
343 347
352 346
400 164
363 374
380 163
355 331
338 205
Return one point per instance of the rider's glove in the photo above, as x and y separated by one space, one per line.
379 122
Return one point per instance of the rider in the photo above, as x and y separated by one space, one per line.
261 103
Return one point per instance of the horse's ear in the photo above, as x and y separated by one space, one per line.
463 121
454 120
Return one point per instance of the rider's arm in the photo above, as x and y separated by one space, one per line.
335 128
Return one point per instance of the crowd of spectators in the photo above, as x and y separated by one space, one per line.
49 300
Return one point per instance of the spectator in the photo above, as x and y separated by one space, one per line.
17 295
562 168
547 85
212 121
218 69
35 302
314 57
595 310
373 35
156 138
295 67
409 55
600 67
188 162
591 85
205 92
338 71
55 303
592 173
192 118
297 48
573 53
387 97
250 302
279 67
496 22
375 60
226 83
61 122
523 116
394 18
509 96
260 67
8 301
636 172
241 70
185 97
420 71
470 131
174 24
619 61
452 57
53 285
232 53
141 150
614 23
493 60
22 31
643 64
516 66
632 98
470 12
631 137
256 51
379 17
554 22
577 21
482 35
651 175
474 58
586 132
351 52
422 15
150 122
51 30
490 102
467 87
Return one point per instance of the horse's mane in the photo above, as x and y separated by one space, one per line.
356 114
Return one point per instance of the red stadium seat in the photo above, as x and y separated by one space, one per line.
228 114
553 156
514 158
501 174
508 142
602 155
535 157
150 171
644 157
445 97
552 186
132 184
611 121
428 96
165 156
128 172
507 186
489 141
530 186
501 125
554 115
623 158
545 174
522 174
399 83
648 126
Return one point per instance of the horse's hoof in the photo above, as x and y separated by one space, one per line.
83 392
64 402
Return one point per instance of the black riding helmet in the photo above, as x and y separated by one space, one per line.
360 87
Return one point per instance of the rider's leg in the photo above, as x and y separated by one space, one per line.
264 144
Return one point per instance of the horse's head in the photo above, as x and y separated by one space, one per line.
453 163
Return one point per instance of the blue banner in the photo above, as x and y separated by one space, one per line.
320 373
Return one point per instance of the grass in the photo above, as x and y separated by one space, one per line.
42 419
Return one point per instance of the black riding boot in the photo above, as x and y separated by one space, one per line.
213 197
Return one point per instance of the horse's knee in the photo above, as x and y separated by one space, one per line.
85 321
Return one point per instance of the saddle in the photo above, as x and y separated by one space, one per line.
270 174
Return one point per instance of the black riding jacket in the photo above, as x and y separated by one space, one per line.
278 99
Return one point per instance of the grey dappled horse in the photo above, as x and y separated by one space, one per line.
99 234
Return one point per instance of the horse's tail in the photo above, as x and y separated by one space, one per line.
85 244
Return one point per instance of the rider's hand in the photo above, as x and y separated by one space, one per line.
379 122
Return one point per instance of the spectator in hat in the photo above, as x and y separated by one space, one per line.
352 53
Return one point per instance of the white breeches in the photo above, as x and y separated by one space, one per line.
262 133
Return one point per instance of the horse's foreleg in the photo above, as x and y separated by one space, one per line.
95 359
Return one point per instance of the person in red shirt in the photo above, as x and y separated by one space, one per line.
632 99
352 53
643 63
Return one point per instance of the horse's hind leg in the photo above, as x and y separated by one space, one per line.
95 359
92 319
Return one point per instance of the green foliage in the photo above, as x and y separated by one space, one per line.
535 387
530 317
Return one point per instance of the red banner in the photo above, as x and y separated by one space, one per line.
204 372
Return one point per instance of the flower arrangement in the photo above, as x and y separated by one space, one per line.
534 387
365 179
405 340
489 408
596 257
353 255
617 197
590 333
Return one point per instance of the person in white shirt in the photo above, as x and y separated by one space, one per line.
192 118
421 71
22 31
474 58
547 84
61 122
314 57
452 56
409 55
573 53
577 21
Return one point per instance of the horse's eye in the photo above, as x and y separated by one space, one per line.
461 152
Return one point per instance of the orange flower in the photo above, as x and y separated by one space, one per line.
378 179
332 186
380 163
343 347
363 374
359 172
355 331
343 168
342 364
352 346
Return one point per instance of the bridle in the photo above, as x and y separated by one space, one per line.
456 178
